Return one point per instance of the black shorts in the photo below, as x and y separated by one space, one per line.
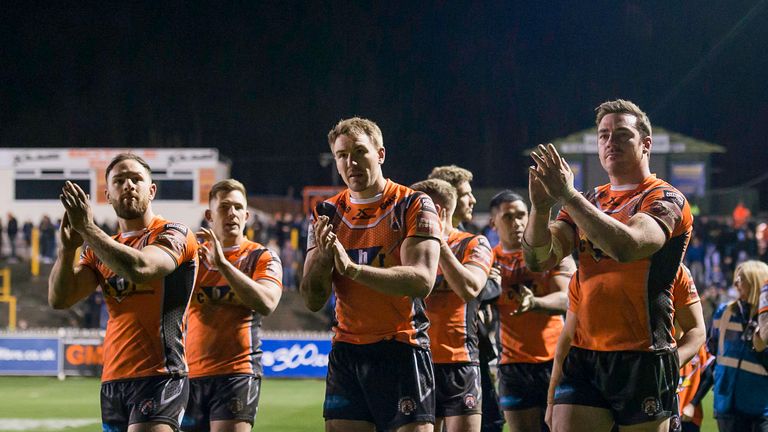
637 387
524 385
222 397
152 399
387 383
457 389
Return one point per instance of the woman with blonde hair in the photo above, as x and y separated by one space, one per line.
741 377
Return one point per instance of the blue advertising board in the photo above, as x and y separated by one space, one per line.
292 358
29 356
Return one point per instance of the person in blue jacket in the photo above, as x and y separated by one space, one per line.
741 377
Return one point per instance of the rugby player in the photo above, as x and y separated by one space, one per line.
377 244
452 307
631 234
531 309
239 282
146 273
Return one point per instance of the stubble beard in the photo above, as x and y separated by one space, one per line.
134 210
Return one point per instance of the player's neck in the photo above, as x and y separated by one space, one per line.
633 177
227 242
508 246
376 188
448 229
137 224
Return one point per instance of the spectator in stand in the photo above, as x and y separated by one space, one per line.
47 239
13 230
26 232
741 215
289 257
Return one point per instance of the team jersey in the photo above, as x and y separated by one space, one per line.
690 379
628 306
223 333
144 333
530 337
452 322
372 231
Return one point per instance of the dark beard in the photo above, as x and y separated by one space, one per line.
131 212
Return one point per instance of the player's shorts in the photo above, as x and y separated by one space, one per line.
524 385
387 383
222 397
637 387
457 389
159 399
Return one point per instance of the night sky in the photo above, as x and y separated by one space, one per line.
471 83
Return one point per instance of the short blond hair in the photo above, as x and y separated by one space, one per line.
453 174
755 274
356 126
441 192
227 185
621 106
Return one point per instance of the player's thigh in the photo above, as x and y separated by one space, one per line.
230 426
464 423
337 425
581 418
524 420
416 427
660 425
150 427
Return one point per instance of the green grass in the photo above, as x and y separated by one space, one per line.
285 405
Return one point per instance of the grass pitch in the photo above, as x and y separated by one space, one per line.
44 404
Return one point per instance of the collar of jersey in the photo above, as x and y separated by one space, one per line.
137 233
372 199
629 187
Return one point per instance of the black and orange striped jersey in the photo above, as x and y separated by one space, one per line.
452 322
144 333
530 337
372 231
628 306
222 333
684 290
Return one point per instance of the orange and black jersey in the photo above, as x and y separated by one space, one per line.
690 380
530 337
372 231
222 333
144 333
453 323
628 306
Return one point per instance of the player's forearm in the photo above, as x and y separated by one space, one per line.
261 296
461 279
689 344
62 286
552 304
124 260
614 238
316 284
537 242
398 281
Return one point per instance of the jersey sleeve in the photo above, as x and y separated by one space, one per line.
566 267
684 290
268 267
668 207
87 257
479 253
421 217
178 241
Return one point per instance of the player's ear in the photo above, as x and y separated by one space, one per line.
208 216
382 155
106 195
492 222
647 144
152 191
